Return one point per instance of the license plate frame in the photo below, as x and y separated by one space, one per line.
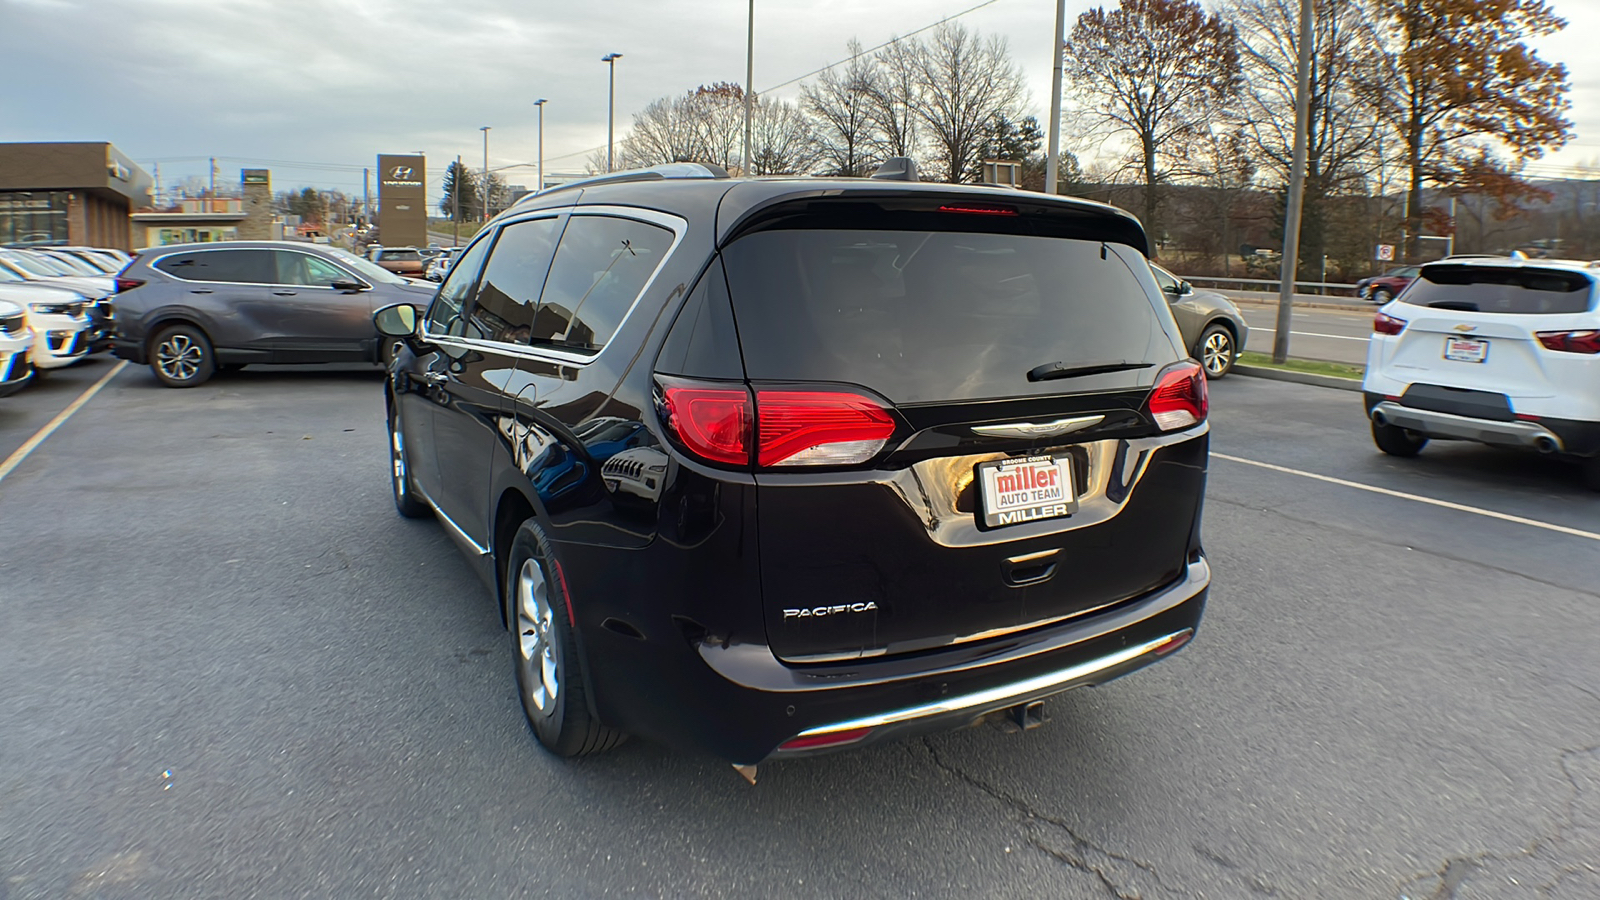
1466 350
1049 496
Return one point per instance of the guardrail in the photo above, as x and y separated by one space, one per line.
1270 285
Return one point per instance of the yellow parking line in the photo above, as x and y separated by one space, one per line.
1445 504
49 428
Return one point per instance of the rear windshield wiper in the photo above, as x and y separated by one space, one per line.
1061 369
1463 305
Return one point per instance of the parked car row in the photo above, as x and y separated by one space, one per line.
55 308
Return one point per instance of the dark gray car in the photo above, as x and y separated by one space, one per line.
188 309
1213 328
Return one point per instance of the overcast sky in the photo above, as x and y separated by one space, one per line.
334 82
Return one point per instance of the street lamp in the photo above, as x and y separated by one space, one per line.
610 59
485 130
540 103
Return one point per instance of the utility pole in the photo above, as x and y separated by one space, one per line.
213 176
611 108
455 195
1297 183
485 130
1450 239
540 103
1052 167
749 85
366 194
157 197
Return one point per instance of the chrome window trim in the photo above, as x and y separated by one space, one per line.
546 353
153 262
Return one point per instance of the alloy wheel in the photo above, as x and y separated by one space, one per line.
179 357
536 639
397 459
1217 353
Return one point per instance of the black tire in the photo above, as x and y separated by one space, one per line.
181 356
1216 350
549 670
1591 473
407 501
1380 296
1397 441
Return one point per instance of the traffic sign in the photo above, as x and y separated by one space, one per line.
1385 253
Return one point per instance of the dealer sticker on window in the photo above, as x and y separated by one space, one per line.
1026 489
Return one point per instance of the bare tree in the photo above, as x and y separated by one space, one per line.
1343 131
1155 71
895 96
782 142
720 110
965 84
667 130
841 108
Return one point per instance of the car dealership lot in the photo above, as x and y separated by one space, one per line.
227 668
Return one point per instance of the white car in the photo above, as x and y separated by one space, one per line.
1501 351
16 347
439 266
58 319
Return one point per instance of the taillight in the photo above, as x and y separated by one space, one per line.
1383 324
826 739
818 428
783 428
1571 341
977 210
128 284
1179 398
713 423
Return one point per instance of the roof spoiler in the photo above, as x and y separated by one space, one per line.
897 168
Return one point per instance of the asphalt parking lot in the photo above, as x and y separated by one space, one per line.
228 669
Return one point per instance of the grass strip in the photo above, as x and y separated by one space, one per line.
1310 366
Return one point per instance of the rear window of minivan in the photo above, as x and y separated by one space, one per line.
936 316
1508 289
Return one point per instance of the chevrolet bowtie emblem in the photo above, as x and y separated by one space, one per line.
1464 328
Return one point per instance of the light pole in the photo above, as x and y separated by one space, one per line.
749 84
485 130
610 59
1052 168
540 103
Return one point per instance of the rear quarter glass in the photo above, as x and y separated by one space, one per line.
931 317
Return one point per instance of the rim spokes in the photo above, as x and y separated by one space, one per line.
535 637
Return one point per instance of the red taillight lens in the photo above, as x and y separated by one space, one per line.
828 739
973 210
1179 398
1571 341
128 284
713 423
1383 324
819 428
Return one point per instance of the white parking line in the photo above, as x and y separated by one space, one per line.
1337 337
1458 507
49 428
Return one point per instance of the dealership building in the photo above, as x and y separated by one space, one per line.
69 193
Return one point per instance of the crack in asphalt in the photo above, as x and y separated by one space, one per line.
1078 855
1428 552
1456 870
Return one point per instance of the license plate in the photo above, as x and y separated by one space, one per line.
1026 489
1468 350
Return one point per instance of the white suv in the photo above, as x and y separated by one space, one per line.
16 342
58 319
1496 350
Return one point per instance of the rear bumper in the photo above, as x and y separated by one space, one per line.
700 707
1544 434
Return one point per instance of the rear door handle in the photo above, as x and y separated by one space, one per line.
200 291
284 293
434 378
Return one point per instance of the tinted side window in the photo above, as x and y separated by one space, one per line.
703 342
254 266
508 293
600 268
445 316
305 269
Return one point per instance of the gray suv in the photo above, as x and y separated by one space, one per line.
187 310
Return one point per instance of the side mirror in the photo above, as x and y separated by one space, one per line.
399 320
1185 288
348 286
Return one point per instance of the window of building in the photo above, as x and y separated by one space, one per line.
34 217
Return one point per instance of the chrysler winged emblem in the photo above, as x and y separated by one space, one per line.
1037 429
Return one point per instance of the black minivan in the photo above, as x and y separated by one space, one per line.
770 468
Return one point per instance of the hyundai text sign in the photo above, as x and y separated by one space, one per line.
402 201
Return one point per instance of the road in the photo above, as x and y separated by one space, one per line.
228 669
1326 334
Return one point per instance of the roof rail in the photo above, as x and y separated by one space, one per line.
653 173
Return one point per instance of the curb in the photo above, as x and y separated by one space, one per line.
1326 381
